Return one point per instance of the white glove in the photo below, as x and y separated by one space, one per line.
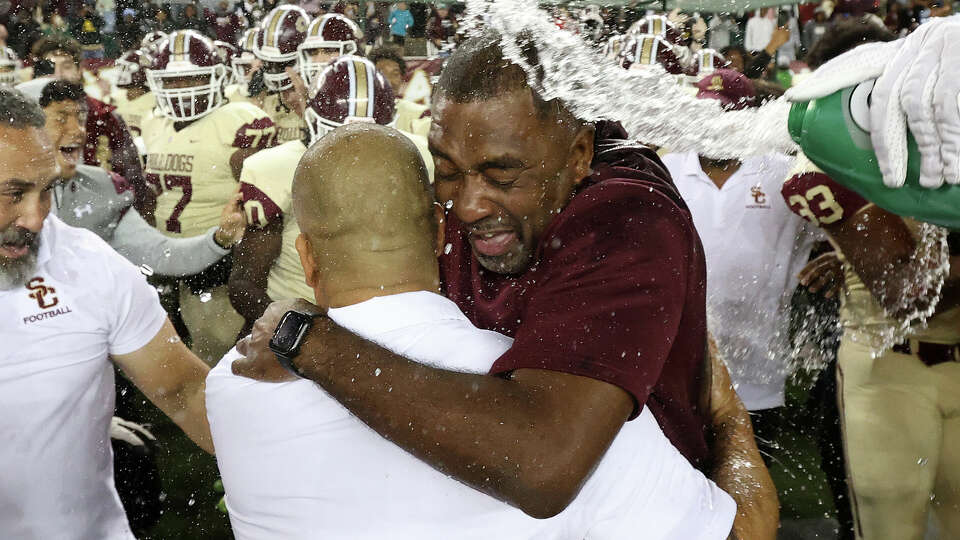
914 88
129 432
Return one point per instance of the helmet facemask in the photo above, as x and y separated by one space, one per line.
188 102
275 76
310 68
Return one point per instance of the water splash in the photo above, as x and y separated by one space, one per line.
651 105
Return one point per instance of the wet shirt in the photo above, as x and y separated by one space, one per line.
618 292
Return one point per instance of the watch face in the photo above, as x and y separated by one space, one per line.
288 332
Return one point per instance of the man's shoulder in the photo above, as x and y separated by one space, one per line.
77 244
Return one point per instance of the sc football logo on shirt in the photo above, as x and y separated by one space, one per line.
44 295
46 299
759 198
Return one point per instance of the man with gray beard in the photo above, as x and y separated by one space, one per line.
71 308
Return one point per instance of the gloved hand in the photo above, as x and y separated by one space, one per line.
916 87
129 432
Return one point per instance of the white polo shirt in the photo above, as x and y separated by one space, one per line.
297 465
56 386
755 247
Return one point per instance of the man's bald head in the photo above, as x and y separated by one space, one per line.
362 197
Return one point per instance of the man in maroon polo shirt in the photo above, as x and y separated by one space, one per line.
578 246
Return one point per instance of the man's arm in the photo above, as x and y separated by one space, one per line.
738 467
174 379
252 260
140 243
530 440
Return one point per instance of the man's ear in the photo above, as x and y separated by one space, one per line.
581 152
307 260
440 217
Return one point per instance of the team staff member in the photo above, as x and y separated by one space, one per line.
100 201
371 235
605 300
72 306
109 143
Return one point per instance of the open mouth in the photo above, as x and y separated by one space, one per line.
14 250
493 243
70 153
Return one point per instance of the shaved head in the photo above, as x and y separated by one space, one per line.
362 199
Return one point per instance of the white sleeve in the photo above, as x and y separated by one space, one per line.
134 312
140 243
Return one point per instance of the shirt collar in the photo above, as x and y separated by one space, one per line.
47 238
750 166
383 314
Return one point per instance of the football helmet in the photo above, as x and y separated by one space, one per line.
186 55
332 33
8 66
645 50
132 68
349 90
226 52
152 40
659 25
243 60
705 61
281 32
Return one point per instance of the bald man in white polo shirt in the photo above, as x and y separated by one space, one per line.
296 464
70 305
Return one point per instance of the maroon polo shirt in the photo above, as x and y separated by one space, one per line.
617 292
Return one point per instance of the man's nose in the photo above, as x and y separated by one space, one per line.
470 203
32 213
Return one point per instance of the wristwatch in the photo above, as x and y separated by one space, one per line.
288 337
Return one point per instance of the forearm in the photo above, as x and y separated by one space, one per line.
740 471
141 244
248 297
738 467
188 409
488 432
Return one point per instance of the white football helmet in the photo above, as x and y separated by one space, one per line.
8 66
187 76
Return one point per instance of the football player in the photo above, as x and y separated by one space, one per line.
244 65
266 265
282 31
132 77
151 40
196 144
899 402
328 37
9 63
411 117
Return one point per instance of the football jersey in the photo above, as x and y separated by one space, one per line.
135 111
816 197
190 168
236 93
290 126
413 117
266 183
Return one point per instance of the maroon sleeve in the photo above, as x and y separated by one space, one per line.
612 291
819 199
258 215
